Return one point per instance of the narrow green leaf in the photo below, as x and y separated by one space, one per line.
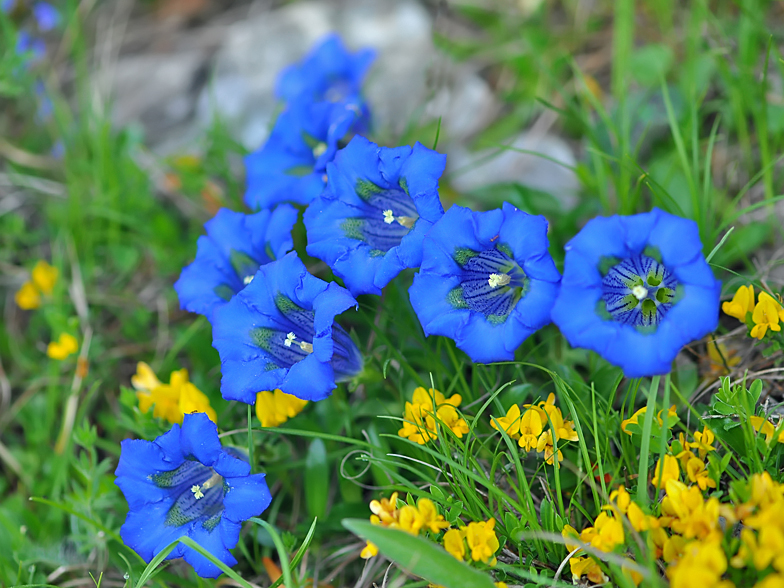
420 556
316 479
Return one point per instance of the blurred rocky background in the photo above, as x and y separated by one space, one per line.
171 68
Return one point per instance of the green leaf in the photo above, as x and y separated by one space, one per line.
316 479
420 556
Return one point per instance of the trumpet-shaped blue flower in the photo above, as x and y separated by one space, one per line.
487 280
636 289
278 333
369 222
329 73
291 166
185 484
227 258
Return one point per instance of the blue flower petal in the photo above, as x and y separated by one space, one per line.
199 438
278 332
247 497
472 286
191 499
329 72
601 237
368 224
235 246
46 16
680 291
212 542
678 239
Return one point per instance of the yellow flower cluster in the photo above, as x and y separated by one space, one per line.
606 534
479 537
529 427
275 408
411 519
765 427
171 401
66 345
762 535
635 418
41 283
426 410
766 313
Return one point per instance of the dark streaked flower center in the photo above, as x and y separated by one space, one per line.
198 493
639 291
389 215
492 283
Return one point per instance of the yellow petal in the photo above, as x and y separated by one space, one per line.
44 277
27 297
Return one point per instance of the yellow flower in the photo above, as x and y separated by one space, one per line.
370 550
621 498
44 276
173 400
144 378
429 516
454 544
741 303
28 297
670 471
531 427
704 441
42 281
422 516
721 358
385 512
691 515
771 581
482 541
588 567
569 533
702 564
766 315
763 426
634 419
275 408
63 347
606 533
563 429
500 585
545 444
409 520
698 473
420 423
510 422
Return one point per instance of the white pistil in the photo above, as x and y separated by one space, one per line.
248 279
214 480
197 493
306 347
289 339
499 280
319 149
640 292
406 221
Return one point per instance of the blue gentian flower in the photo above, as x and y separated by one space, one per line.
46 16
227 258
487 280
185 484
291 165
636 289
26 42
278 333
369 222
328 73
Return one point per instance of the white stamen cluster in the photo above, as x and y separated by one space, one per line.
304 345
640 292
248 279
497 280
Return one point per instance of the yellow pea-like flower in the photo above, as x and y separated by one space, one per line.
741 303
66 345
